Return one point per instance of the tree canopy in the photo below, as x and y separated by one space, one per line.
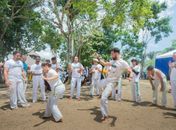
82 27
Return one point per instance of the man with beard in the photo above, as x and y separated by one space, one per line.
116 67
14 79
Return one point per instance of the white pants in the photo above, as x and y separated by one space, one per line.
51 107
75 82
17 94
94 86
104 99
37 80
135 91
101 85
25 83
155 93
173 91
117 91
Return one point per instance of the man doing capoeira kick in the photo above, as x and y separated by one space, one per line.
118 66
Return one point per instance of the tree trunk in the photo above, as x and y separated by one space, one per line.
69 48
143 61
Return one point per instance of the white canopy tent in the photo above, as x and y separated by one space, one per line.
166 55
161 62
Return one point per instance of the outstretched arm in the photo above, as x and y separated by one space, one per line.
102 62
129 70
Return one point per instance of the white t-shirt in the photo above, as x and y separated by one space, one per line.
54 66
96 74
173 73
54 82
36 68
136 68
115 71
155 77
15 68
75 68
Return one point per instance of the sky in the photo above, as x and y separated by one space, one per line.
166 42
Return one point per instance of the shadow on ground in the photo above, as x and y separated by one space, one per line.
96 111
148 104
170 115
5 107
40 115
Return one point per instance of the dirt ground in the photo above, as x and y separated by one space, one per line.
85 114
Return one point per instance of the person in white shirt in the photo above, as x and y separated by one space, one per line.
157 77
37 72
117 67
135 87
54 64
96 76
76 69
172 66
15 80
57 91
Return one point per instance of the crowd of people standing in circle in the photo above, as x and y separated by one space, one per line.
103 78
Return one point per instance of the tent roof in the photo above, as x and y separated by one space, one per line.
33 53
166 55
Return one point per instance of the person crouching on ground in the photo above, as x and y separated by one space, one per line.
57 91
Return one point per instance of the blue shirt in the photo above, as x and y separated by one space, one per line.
25 67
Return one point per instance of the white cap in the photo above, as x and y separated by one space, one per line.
95 60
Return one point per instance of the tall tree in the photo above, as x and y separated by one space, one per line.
16 18
155 28
71 16
68 15
121 23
